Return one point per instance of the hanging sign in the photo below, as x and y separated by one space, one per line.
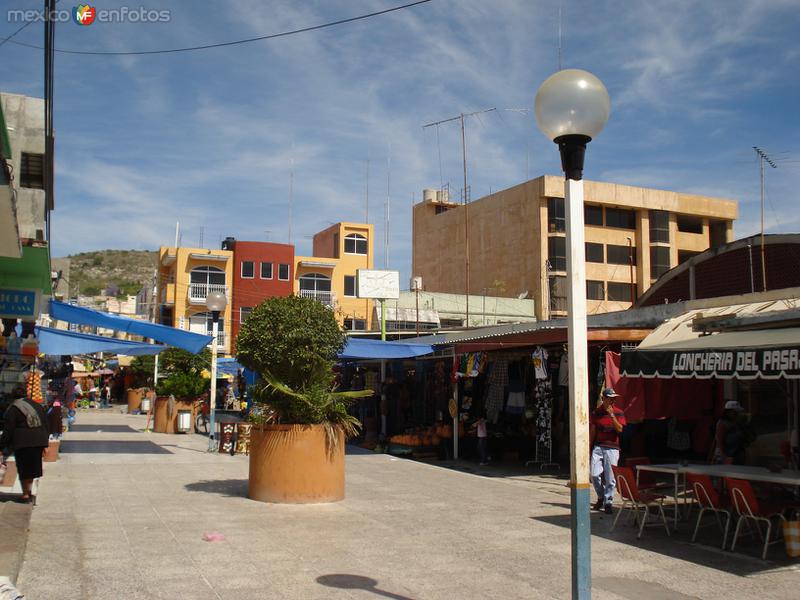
20 303
745 363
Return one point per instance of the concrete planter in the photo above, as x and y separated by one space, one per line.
163 422
293 464
134 398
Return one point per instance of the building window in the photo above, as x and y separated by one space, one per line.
440 209
266 270
558 293
659 261
619 292
355 243
355 325
688 224
659 226
350 285
31 171
555 215
248 269
595 290
684 255
595 253
621 218
244 312
283 272
593 214
620 255
207 276
557 253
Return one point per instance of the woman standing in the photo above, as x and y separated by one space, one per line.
26 435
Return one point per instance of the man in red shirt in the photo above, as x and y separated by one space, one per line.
605 425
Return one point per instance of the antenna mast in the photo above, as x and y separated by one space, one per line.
291 190
762 156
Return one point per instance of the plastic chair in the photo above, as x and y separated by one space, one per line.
709 500
634 499
647 479
747 506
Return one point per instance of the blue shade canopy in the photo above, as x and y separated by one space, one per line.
228 366
362 349
193 342
56 342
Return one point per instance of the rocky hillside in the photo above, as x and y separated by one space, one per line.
124 271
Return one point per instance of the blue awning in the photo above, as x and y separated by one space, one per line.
363 349
56 342
228 366
193 342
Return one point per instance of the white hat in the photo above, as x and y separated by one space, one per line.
733 405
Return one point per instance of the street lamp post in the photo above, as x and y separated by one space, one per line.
216 303
572 107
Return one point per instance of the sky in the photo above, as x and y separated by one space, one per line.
221 139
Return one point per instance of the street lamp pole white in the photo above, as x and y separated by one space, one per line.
216 303
572 107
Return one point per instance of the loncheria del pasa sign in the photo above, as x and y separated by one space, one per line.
769 363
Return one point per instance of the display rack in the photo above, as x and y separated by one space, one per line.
544 427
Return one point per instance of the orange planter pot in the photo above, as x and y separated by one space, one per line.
163 422
134 397
293 464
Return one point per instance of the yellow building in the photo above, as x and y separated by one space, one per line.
185 278
330 275
517 244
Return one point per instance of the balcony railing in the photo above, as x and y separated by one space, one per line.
327 298
198 292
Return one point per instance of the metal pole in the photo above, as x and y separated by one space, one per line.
466 217
630 262
212 399
383 319
417 313
763 259
578 392
155 373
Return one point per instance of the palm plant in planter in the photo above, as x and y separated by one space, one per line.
300 421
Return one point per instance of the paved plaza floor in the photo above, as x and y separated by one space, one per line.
123 513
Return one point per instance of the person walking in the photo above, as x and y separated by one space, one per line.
605 425
731 435
25 434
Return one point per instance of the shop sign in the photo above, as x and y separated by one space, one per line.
20 303
746 363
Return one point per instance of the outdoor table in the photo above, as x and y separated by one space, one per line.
762 474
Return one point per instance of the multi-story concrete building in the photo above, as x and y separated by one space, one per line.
330 274
260 270
516 241
185 278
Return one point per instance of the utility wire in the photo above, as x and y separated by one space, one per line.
221 44
8 39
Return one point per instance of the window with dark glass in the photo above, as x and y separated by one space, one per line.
595 290
595 253
621 218
689 224
283 272
558 293
244 312
355 324
557 253
355 243
659 261
248 269
350 285
659 226
620 255
555 215
684 255
619 292
593 214
31 171
266 270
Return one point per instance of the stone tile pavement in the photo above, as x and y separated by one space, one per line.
122 515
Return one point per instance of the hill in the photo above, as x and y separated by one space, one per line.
92 272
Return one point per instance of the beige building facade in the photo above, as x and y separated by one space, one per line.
512 243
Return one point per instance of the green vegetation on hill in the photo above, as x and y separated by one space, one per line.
124 271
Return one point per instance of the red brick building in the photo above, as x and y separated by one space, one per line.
261 270
730 270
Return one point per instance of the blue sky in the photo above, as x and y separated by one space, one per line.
208 137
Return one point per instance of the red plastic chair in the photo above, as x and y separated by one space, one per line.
747 506
635 499
647 480
709 500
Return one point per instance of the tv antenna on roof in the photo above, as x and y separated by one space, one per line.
762 157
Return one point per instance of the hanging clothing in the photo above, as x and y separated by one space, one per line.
539 358
563 370
496 388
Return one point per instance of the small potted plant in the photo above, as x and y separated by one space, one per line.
300 421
